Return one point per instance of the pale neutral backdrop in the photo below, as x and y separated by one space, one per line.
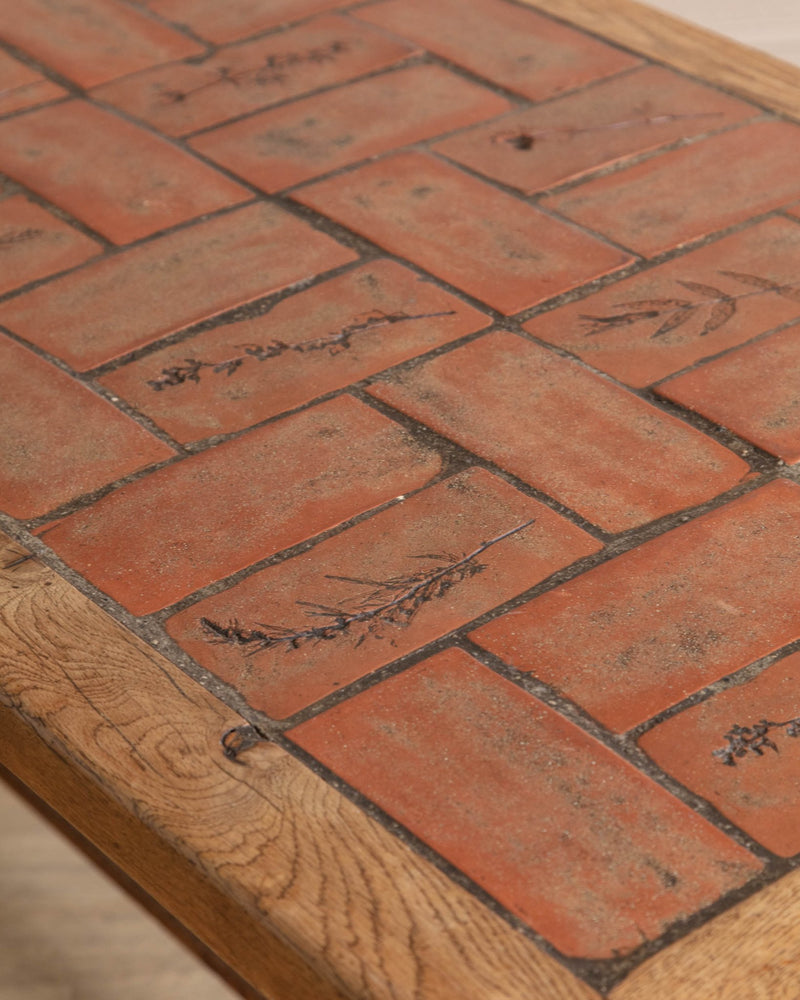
66 932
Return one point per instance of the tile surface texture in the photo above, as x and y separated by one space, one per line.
422 377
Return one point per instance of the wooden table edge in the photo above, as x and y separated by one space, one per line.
299 891
706 55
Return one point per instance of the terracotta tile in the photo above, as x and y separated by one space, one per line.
34 243
640 633
731 177
58 439
559 829
594 128
631 346
518 48
301 140
94 40
452 518
600 450
185 97
314 342
152 542
758 793
122 181
502 251
753 391
21 87
125 301
225 22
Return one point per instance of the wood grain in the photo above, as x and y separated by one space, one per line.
705 54
752 952
293 885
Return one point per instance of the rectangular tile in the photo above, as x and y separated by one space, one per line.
58 439
728 178
298 141
536 148
610 456
316 341
124 301
671 316
400 569
513 46
92 41
119 179
154 541
638 634
185 97
568 836
500 250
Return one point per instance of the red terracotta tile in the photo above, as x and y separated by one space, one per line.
640 633
453 518
600 450
293 143
758 793
225 22
314 342
518 48
34 243
21 87
488 243
156 540
617 329
58 439
559 829
535 148
731 177
186 97
753 391
120 180
94 40
125 301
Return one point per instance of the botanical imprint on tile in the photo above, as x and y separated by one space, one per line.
743 740
274 69
524 139
334 343
676 312
393 602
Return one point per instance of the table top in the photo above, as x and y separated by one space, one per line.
399 449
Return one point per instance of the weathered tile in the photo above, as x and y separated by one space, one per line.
730 177
58 439
673 315
409 547
316 341
122 302
610 456
154 541
642 632
119 179
185 97
298 141
564 833
504 252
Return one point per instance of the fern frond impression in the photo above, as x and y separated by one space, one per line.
674 312
393 602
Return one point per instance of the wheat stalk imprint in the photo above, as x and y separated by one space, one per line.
674 312
393 602
334 343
